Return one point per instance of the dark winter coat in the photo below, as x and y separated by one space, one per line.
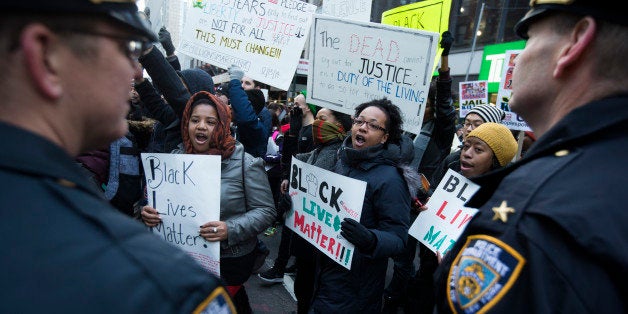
563 245
385 212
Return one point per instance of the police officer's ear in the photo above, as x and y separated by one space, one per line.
42 50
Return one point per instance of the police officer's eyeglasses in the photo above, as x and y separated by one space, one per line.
131 47
369 125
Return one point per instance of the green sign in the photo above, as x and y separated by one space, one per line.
493 60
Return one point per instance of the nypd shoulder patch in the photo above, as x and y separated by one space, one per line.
481 274
217 302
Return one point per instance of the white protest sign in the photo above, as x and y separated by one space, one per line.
440 226
512 120
185 190
472 93
359 10
354 62
263 37
321 199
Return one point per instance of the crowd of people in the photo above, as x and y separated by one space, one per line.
548 235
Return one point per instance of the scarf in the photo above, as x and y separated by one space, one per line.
324 132
221 141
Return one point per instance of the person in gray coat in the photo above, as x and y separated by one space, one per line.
246 203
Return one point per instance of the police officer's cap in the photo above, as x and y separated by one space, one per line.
601 10
121 12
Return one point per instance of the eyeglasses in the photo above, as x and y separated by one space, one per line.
369 125
132 48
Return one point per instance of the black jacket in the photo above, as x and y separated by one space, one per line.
564 245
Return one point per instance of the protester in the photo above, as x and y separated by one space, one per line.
488 147
246 204
298 141
474 118
67 68
431 146
550 237
375 153
328 132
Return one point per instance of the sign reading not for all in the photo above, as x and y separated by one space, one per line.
264 38
354 62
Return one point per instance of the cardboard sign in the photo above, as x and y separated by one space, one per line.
263 37
440 226
185 190
512 120
321 199
472 93
355 62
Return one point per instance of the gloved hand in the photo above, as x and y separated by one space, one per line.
357 234
446 42
235 73
296 121
166 41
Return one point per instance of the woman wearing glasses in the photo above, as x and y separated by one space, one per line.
377 153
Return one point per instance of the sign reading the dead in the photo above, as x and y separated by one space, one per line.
321 199
263 37
440 226
354 62
185 190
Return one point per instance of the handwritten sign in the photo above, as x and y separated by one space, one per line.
429 15
440 226
512 120
263 37
472 93
359 10
354 62
321 199
185 190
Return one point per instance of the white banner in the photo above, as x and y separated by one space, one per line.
185 190
354 62
263 37
440 226
321 199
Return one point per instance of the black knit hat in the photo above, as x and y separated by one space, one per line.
197 80
488 113
122 12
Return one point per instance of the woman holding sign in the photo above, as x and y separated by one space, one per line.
375 153
246 203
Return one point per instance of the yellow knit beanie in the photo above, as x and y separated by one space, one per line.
499 138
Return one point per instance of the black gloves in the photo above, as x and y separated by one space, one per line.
296 121
446 42
357 234
166 41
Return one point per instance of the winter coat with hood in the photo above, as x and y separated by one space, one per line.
385 212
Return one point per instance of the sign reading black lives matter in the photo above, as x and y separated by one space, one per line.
354 62
185 190
321 199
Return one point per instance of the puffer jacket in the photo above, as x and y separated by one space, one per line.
385 212
246 206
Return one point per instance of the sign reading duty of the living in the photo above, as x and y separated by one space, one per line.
263 37
321 199
354 62
185 190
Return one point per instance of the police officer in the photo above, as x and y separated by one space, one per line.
67 70
551 236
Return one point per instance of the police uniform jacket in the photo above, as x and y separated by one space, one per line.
551 235
66 250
